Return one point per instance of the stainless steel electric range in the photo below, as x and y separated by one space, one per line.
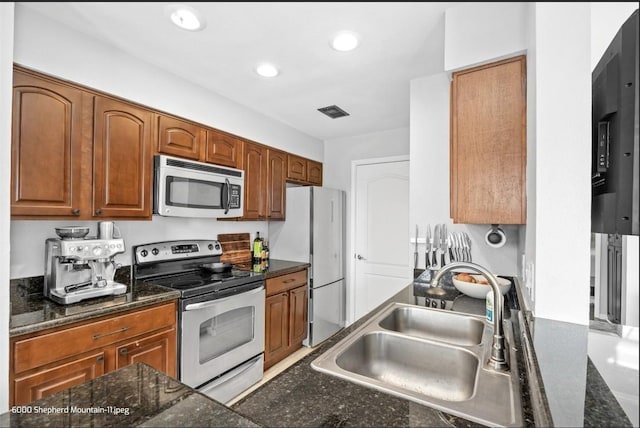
221 314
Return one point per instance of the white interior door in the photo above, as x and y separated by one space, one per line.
382 256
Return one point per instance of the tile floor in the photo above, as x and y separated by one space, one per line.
274 371
615 355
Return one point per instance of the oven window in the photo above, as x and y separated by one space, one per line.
225 332
192 193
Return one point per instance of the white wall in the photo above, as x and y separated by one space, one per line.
339 155
563 161
6 79
28 236
476 33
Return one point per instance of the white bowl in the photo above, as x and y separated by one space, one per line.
479 291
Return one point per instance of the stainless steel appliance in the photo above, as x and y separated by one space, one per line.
221 314
79 268
313 232
184 188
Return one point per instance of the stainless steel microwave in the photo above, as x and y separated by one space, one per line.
185 188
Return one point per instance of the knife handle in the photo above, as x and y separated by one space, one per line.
427 260
435 257
451 256
442 258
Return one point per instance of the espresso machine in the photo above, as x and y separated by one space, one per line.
79 268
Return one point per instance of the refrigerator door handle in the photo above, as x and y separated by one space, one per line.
332 210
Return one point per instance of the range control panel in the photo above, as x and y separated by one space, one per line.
174 250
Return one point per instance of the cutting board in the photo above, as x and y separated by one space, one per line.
236 248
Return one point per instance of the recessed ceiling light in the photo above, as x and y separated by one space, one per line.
345 41
185 17
267 70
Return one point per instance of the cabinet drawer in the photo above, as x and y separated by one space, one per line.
285 282
39 350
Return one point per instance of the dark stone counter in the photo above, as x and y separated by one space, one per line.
135 395
276 267
32 312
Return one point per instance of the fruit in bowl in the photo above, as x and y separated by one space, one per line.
477 285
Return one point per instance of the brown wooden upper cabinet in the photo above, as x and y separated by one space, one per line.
76 154
46 147
304 171
276 185
255 179
122 160
223 149
178 137
488 144
264 182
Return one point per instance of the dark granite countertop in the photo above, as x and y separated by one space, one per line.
135 395
277 267
303 397
32 312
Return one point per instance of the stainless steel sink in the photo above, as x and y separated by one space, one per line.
436 325
426 356
406 363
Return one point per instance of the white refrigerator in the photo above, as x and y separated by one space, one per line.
313 232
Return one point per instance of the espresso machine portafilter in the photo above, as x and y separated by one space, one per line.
79 268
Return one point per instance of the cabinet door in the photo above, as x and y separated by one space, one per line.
57 377
314 173
298 302
180 138
276 185
488 144
46 147
223 149
157 350
255 181
122 160
276 343
296 168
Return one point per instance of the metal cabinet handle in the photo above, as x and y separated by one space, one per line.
288 280
75 211
99 336
123 351
99 211
100 359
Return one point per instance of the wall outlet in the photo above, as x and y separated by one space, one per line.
529 280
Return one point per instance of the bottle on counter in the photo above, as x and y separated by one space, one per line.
257 248
265 250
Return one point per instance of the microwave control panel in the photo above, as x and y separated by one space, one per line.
235 192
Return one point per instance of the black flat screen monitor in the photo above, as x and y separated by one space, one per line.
614 171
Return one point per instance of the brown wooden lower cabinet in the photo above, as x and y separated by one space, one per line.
286 316
46 362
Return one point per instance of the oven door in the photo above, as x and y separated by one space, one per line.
195 189
219 335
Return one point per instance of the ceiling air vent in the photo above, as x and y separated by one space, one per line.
333 112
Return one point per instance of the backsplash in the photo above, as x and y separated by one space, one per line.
28 237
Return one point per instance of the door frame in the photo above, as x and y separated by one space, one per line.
350 253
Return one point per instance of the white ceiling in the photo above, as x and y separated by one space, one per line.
399 42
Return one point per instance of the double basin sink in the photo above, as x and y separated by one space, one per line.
433 357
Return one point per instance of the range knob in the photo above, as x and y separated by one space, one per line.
210 247
97 251
144 253
217 246
155 251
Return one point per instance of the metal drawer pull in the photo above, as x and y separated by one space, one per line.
100 359
289 280
99 336
123 351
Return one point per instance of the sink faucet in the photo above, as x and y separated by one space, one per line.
497 361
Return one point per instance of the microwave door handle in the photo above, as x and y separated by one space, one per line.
226 203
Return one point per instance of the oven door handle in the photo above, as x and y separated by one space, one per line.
208 304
